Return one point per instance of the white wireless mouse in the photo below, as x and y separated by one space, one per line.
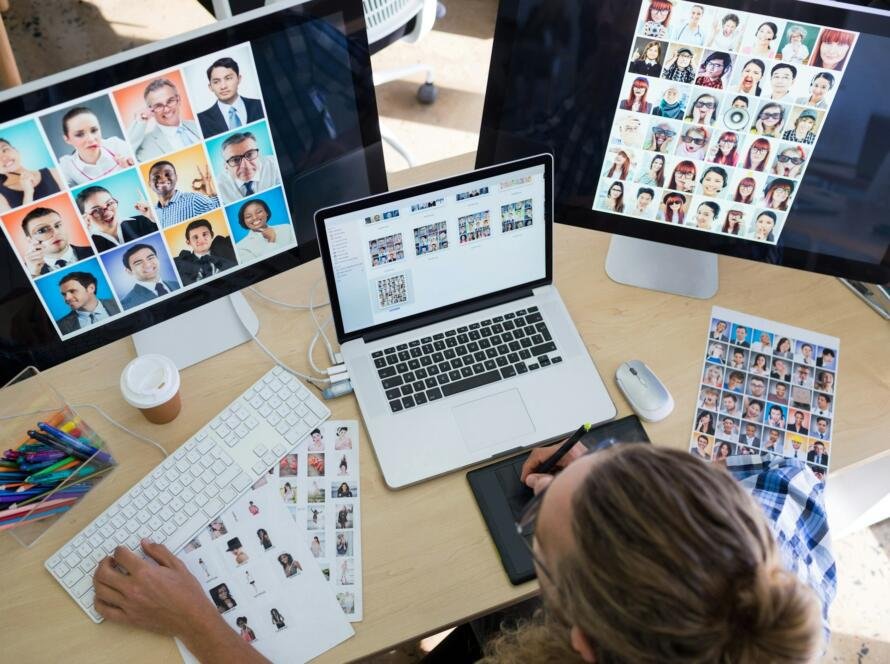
647 395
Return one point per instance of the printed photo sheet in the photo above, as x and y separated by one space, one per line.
264 580
319 483
766 388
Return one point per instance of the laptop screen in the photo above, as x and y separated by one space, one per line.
415 254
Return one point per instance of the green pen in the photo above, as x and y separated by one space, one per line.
62 475
46 471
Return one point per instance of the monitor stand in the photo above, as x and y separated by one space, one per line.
201 333
662 267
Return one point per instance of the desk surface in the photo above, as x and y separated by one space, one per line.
424 569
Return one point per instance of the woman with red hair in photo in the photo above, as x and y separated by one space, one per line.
658 17
726 153
758 155
683 177
778 193
673 208
636 98
744 192
832 49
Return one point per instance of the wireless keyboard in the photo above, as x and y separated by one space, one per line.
196 482
431 368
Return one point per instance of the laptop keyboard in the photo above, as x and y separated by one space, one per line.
447 363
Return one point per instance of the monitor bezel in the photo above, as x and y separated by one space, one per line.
448 311
585 217
146 59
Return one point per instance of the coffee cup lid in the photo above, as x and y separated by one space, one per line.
149 381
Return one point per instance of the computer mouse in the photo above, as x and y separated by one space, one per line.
646 394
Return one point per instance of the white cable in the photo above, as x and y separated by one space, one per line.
287 305
100 411
309 379
312 348
331 356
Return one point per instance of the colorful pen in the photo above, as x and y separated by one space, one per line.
75 443
62 475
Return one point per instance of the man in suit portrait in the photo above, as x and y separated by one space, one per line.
48 245
207 255
141 262
246 170
79 291
817 454
741 337
101 215
231 110
821 431
751 438
158 129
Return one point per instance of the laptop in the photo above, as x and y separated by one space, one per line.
458 345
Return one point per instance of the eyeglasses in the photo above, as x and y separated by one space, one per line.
770 116
48 230
525 528
98 211
664 132
705 104
713 64
235 160
170 103
690 139
730 141
797 161
759 150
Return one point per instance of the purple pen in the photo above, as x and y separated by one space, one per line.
75 443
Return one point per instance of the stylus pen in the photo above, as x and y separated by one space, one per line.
551 461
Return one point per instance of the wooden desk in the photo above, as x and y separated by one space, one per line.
428 560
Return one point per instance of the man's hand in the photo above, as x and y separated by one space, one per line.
163 598
204 182
539 481
34 257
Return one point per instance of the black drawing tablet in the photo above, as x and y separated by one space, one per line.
502 496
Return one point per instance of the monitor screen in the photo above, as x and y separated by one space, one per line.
744 127
424 251
146 184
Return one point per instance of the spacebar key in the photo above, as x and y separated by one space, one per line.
469 383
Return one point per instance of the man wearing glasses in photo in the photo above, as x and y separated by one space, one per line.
158 128
101 215
48 245
246 170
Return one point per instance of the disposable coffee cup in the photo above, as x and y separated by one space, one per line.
151 384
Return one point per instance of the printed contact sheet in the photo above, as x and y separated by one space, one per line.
766 388
718 116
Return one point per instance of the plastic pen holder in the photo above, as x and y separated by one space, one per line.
25 401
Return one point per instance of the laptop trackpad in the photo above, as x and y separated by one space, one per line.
493 420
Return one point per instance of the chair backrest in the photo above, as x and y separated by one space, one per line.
383 17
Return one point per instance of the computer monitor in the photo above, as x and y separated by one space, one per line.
144 185
749 128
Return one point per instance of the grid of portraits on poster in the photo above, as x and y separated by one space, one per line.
263 579
766 388
122 198
318 481
719 113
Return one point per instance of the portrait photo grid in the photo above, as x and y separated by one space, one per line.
80 185
718 117
318 482
767 388
259 572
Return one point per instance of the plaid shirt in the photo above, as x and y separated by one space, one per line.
793 501
184 205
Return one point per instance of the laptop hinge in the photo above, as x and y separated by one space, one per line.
452 312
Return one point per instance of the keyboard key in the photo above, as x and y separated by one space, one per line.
479 356
430 382
377 353
462 328
442 379
469 383
426 361
508 372
462 339
427 349
456 375
497 328
404 355
556 359
457 363
533 308
532 367
406 390
548 347
478 368
392 359
387 372
432 370
394 393
498 319
486 332
402 347
450 333
414 344
413 364
416 352
395 381
409 377
461 350
380 362
395 405
426 340
420 398
438 335
509 316
490 365
544 361
467 372
418 385
408 402
434 394
502 361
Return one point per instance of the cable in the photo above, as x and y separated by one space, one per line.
287 305
312 348
331 355
97 409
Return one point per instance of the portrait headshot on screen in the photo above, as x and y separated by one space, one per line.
246 170
688 29
773 441
208 254
78 289
159 129
92 154
231 110
48 245
22 182
142 264
101 216
822 430
174 205
263 238
817 454
826 359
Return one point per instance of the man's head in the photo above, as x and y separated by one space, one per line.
644 197
199 236
162 178
757 386
738 356
780 390
819 448
773 436
79 290
822 426
241 156
630 495
727 425
775 413
45 225
702 442
163 100
750 430
823 401
720 327
827 356
223 78
141 262
740 333
729 403
100 207
736 378
795 443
